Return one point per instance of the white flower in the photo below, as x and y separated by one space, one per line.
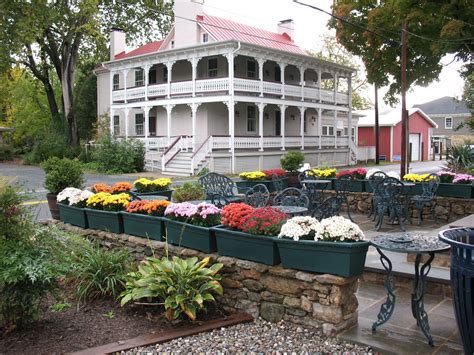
338 228
298 227
371 172
80 197
393 174
68 193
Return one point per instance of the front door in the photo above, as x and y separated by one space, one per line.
152 126
277 123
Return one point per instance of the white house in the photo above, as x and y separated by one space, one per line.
219 94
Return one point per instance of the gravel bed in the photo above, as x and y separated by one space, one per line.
259 336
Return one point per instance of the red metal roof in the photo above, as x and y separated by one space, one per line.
222 30
145 49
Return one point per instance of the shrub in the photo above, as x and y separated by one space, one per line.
97 272
233 214
118 157
292 161
50 144
184 285
6 152
460 157
62 173
264 221
189 191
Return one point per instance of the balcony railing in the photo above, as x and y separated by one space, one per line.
223 84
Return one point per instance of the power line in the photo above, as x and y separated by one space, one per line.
440 39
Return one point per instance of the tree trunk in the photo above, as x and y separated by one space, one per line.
53 105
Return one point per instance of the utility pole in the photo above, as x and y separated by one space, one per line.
404 162
377 127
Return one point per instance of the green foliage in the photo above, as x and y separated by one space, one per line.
183 285
460 157
97 272
62 173
292 161
109 315
86 99
6 152
203 172
48 144
189 191
446 23
60 306
118 157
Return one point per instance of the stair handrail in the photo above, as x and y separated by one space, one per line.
352 151
170 152
200 153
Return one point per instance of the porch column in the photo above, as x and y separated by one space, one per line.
349 123
125 75
282 70
194 62
261 109
302 81
146 70
320 114
169 68
126 112
282 126
169 109
261 62
336 79
194 108
335 128
146 113
320 75
302 112
111 123
231 106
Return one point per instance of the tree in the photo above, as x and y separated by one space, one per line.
50 38
435 29
336 53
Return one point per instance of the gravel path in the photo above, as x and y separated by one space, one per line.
257 337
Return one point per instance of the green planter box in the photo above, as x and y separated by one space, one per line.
337 258
455 190
145 195
244 185
73 215
105 220
190 236
413 190
145 226
246 246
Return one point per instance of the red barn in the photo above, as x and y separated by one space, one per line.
420 124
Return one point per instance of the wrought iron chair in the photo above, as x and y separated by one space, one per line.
219 200
430 186
291 197
390 201
375 181
328 208
307 175
257 196
278 183
342 186
214 183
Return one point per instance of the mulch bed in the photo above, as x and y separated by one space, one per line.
73 330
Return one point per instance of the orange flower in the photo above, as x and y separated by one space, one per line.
139 206
101 188
121 186
157 207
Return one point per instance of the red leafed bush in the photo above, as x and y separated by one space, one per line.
264 221
278 172
233 214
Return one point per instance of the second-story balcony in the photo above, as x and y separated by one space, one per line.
222 85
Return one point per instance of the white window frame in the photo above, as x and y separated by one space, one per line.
212 72
251 119
116 125
139 127
446 126
327 130
205 37
139 77
116 82
251 73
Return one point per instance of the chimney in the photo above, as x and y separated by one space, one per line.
287 27
117 42
186 32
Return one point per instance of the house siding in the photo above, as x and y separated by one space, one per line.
417 125
366 138
441 131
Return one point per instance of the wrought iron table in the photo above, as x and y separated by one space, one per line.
315 190
292 210
408 243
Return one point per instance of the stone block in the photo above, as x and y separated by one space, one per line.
334 280
252 285
227 261
281 271
305 276
245 264
272 312
295 312
230 283
254 296
330 314
306 304
311 295
292 301
282 285
272 297
250 274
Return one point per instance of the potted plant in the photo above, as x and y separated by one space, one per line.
71 203
358 182
120 187
189 225
60 173
333 246
157 187
417 179
189 191
291 162
252 178
103 211
143 218
455 185
325 174
250 234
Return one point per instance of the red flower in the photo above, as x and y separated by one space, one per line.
234 213
264 221
270 172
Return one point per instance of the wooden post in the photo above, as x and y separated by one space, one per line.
377 127
403 162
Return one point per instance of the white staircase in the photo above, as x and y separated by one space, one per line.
180 165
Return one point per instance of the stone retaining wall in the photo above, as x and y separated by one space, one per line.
320 301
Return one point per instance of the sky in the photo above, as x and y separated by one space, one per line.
310 25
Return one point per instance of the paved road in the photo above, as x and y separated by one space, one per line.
419 167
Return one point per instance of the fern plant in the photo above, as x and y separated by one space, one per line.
181 285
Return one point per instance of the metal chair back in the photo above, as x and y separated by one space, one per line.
430 186
219 200
278 183
328 208
257 196
214 183
291 197
307 175
343 184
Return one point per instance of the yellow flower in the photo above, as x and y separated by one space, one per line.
324 173
252 175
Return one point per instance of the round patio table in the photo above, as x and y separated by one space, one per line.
408 243
292 210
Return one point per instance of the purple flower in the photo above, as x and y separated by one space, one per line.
463 179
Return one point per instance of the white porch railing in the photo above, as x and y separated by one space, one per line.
327 95
272 88
155 143
292 142
220 142
343 141
209 85
271 142
327 141
246 142
246 85
136 93
342 98
293 90
157 90
118 95
311 93
182 87
311 141
201 153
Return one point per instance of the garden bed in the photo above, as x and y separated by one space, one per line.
73 330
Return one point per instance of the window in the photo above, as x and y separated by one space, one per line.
448 123
339 133
116 125
251 119
139 124
328 130
139 81
346 131
212 67
251 69
205 38
152 76
165 74
353 134
116 82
